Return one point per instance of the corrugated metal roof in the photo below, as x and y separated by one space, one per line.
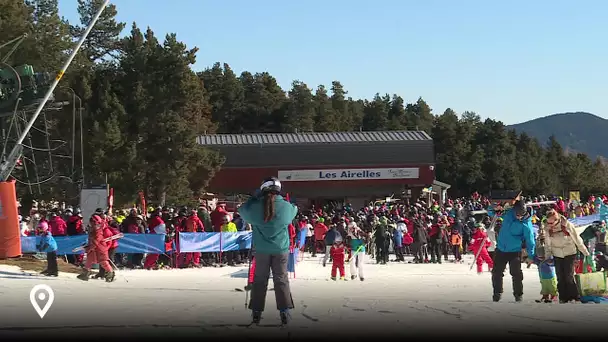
311 138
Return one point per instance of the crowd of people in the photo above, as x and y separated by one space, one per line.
412 231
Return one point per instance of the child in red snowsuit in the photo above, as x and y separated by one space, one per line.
338 252
480 240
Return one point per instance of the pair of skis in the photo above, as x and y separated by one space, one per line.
108 239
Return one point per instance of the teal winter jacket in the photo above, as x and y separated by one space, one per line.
513 232
269 237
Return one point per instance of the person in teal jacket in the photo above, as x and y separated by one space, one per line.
516 229
270 215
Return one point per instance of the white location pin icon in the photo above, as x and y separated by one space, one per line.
42 294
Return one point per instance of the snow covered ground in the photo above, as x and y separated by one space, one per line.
429 299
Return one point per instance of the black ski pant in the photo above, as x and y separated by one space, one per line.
513 259
435 249
263 264
399 254
51 263
417 250
566 286
456 252
466 238
381 251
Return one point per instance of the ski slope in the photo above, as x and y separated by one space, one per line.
408 299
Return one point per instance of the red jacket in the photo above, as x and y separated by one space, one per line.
96 242
133 228
434 232
180 224
320 231
154 222
479 238
292 235
193 224
74 225
338 253
217 218
109 231
407 239
58 226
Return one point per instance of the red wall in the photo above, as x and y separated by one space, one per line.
250 178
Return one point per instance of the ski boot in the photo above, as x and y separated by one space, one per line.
248 287
256 317
52 274
343 279
45 272
519 299
109 276
333 278
544 299
433 261
285 317
101 274
84 276
353 277
361 278
496 297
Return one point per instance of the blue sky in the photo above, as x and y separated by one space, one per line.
508 60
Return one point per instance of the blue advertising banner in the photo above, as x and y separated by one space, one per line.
129 244
214 242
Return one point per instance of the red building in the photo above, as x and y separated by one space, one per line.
358 166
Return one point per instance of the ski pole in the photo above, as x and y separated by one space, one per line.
116 267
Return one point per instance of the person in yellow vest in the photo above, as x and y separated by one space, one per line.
228 226
233 257
120 217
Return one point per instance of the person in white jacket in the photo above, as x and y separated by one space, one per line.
562 242
492 237
25 226
357 245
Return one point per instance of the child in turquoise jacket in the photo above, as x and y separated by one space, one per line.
45 243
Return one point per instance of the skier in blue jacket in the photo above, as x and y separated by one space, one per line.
516 229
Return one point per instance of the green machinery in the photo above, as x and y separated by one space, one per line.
22 82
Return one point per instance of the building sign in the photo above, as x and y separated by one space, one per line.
348 174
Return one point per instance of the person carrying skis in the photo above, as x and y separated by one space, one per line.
97 250
516 227
109 230
479 246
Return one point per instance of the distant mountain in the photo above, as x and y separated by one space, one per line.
577 132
